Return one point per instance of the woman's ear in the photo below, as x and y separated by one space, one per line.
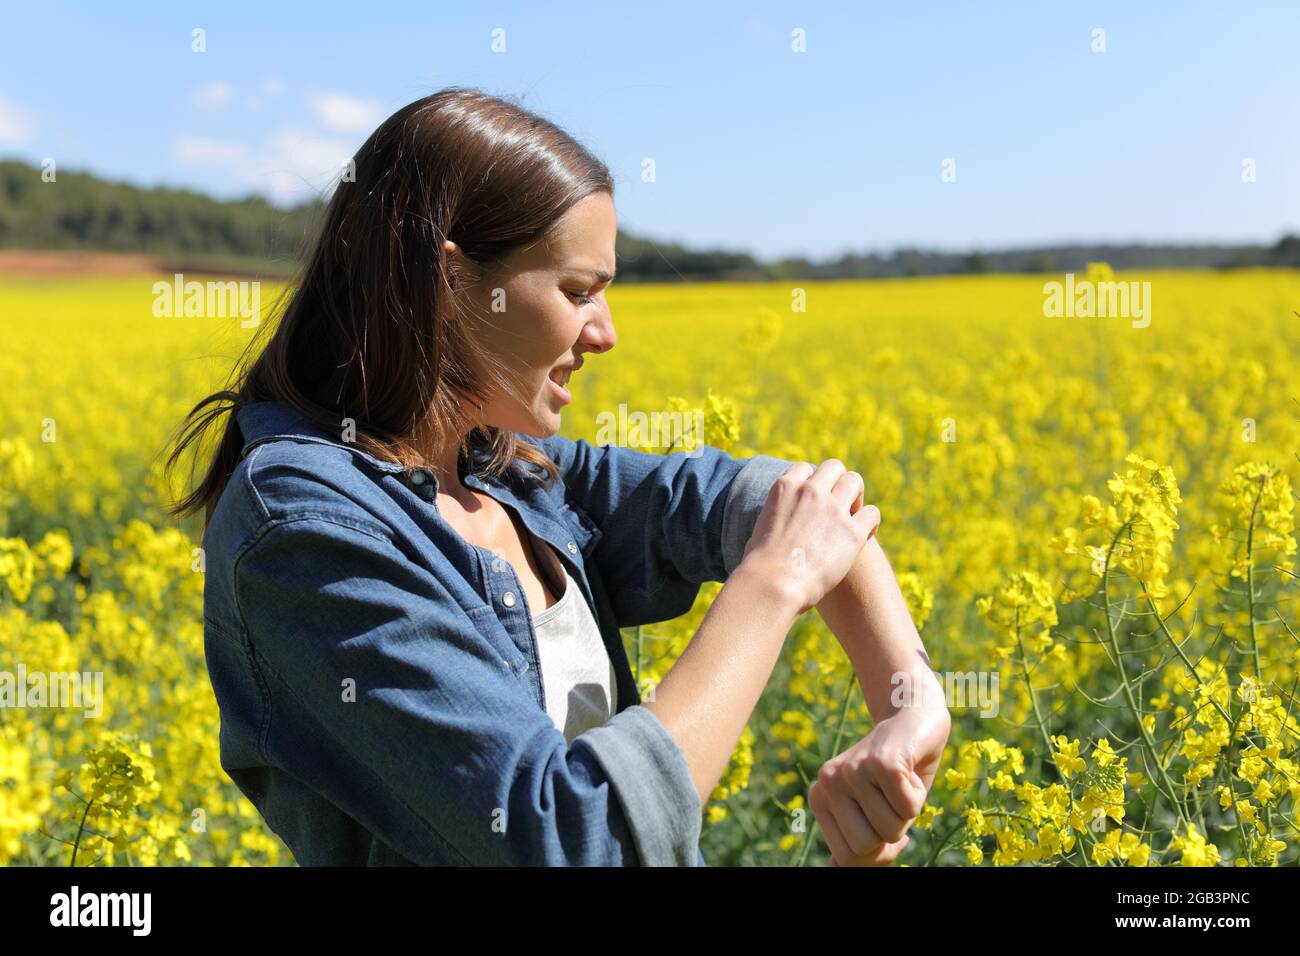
453 266
459 264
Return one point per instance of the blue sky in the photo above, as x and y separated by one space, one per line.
756 147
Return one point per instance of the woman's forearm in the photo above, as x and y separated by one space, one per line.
867 613
707 697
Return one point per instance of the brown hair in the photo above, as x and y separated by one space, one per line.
373 329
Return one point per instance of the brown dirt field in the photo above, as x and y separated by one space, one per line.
45 262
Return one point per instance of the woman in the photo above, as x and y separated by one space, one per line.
414 585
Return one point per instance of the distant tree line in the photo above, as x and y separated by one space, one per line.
84 212
1046 259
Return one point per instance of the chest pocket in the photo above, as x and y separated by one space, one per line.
586 535
514 659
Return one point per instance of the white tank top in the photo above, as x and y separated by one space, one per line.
577 675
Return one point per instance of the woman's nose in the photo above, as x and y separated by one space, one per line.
599 335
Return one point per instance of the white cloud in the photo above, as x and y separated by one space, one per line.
196 151
291 166
296 164
341 112
16 126
212 95
271 86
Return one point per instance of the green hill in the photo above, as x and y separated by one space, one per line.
82 211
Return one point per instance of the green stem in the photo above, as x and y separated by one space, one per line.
835 748
1042 726
1170 793
80 830
1254 636
944 842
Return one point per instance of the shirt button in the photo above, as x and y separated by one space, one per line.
417 478
508 599
573 548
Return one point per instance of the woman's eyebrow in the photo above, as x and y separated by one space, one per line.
597 275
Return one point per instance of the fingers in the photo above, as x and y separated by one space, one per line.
827 474
846 487
799 471
847 831
888 820
892 851
861 824
883 855
851 489
884 819
857 833
843 485
868 519
901 792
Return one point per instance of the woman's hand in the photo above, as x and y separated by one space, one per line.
867 797
811 530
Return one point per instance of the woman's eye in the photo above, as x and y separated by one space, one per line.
582 298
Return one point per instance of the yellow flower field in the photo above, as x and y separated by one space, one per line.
1092 522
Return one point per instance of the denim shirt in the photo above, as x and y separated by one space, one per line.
377 675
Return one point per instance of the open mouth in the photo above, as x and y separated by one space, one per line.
559 379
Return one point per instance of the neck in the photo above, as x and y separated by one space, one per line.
442 458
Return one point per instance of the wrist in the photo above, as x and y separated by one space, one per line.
771 584
923 692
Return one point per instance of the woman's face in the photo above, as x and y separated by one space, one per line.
543 309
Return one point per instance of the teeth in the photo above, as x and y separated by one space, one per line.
561 377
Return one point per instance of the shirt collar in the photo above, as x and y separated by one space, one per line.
274 420
271 421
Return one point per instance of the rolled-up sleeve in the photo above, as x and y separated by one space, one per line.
384 696
745 501
668 522
653 782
